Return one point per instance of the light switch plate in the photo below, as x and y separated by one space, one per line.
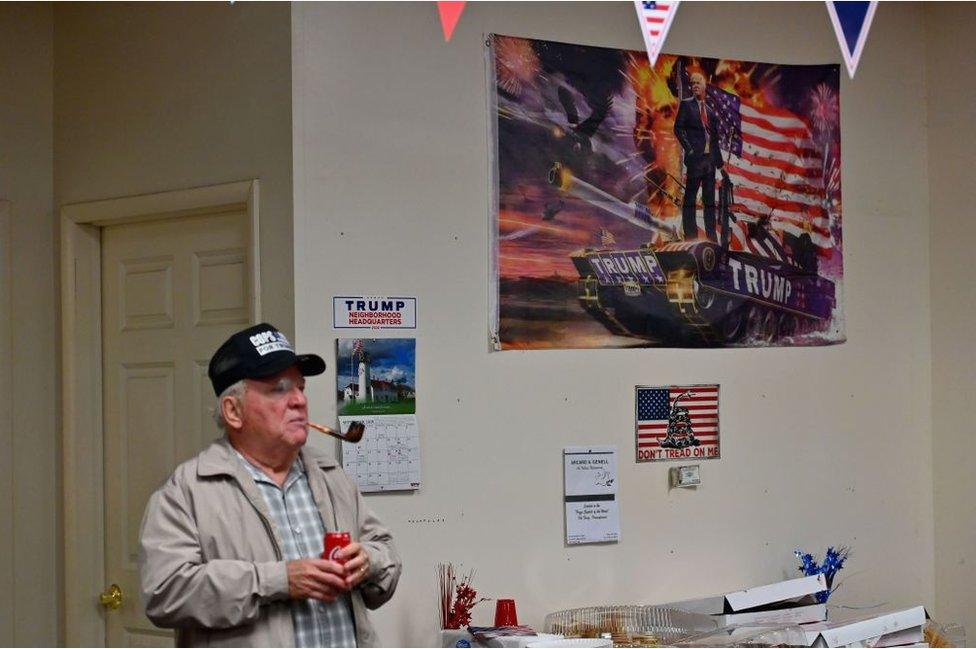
685 476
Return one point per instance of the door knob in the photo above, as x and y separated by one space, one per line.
112 597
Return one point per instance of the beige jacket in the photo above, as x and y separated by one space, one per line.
210 558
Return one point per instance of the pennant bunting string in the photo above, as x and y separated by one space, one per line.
654 19
450 13
852 22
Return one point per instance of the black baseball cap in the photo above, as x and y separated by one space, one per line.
255 353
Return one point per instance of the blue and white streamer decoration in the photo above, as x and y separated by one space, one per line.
852 22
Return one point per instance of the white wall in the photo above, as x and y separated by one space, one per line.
820 446
151 97
951 69
28 467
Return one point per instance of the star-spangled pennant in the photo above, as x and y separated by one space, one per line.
852 22
450 13
654 19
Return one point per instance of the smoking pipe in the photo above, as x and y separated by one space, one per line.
353 434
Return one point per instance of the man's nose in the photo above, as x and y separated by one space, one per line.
297 399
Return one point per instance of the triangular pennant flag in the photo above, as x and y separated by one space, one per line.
450 14
655 20
852 22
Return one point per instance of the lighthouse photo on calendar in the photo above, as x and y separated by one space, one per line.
376 376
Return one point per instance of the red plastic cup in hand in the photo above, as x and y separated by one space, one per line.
335 541
505 613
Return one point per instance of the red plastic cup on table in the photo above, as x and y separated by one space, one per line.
505 613
335 541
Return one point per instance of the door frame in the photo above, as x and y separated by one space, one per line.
82 469
7 599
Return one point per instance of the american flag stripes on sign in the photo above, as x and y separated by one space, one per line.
660 411
654 19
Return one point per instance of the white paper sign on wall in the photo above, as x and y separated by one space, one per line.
590 494
374 312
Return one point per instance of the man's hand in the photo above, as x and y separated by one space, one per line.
315 579
356 565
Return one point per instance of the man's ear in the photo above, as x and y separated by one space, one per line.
232 410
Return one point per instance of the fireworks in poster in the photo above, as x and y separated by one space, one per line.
695 204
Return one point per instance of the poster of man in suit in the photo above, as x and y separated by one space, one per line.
693 204
696 128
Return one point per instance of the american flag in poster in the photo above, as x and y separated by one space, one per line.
677 422
779 175
776 167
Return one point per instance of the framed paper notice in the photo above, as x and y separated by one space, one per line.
590 488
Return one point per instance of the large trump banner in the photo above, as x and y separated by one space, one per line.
695 204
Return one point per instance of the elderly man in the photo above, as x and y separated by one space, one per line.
230 544
695 126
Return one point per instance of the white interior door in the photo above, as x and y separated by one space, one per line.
172 291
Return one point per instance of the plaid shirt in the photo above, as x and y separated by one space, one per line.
299 525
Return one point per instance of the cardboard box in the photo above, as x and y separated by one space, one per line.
908 637
776 616
868 630
783 602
